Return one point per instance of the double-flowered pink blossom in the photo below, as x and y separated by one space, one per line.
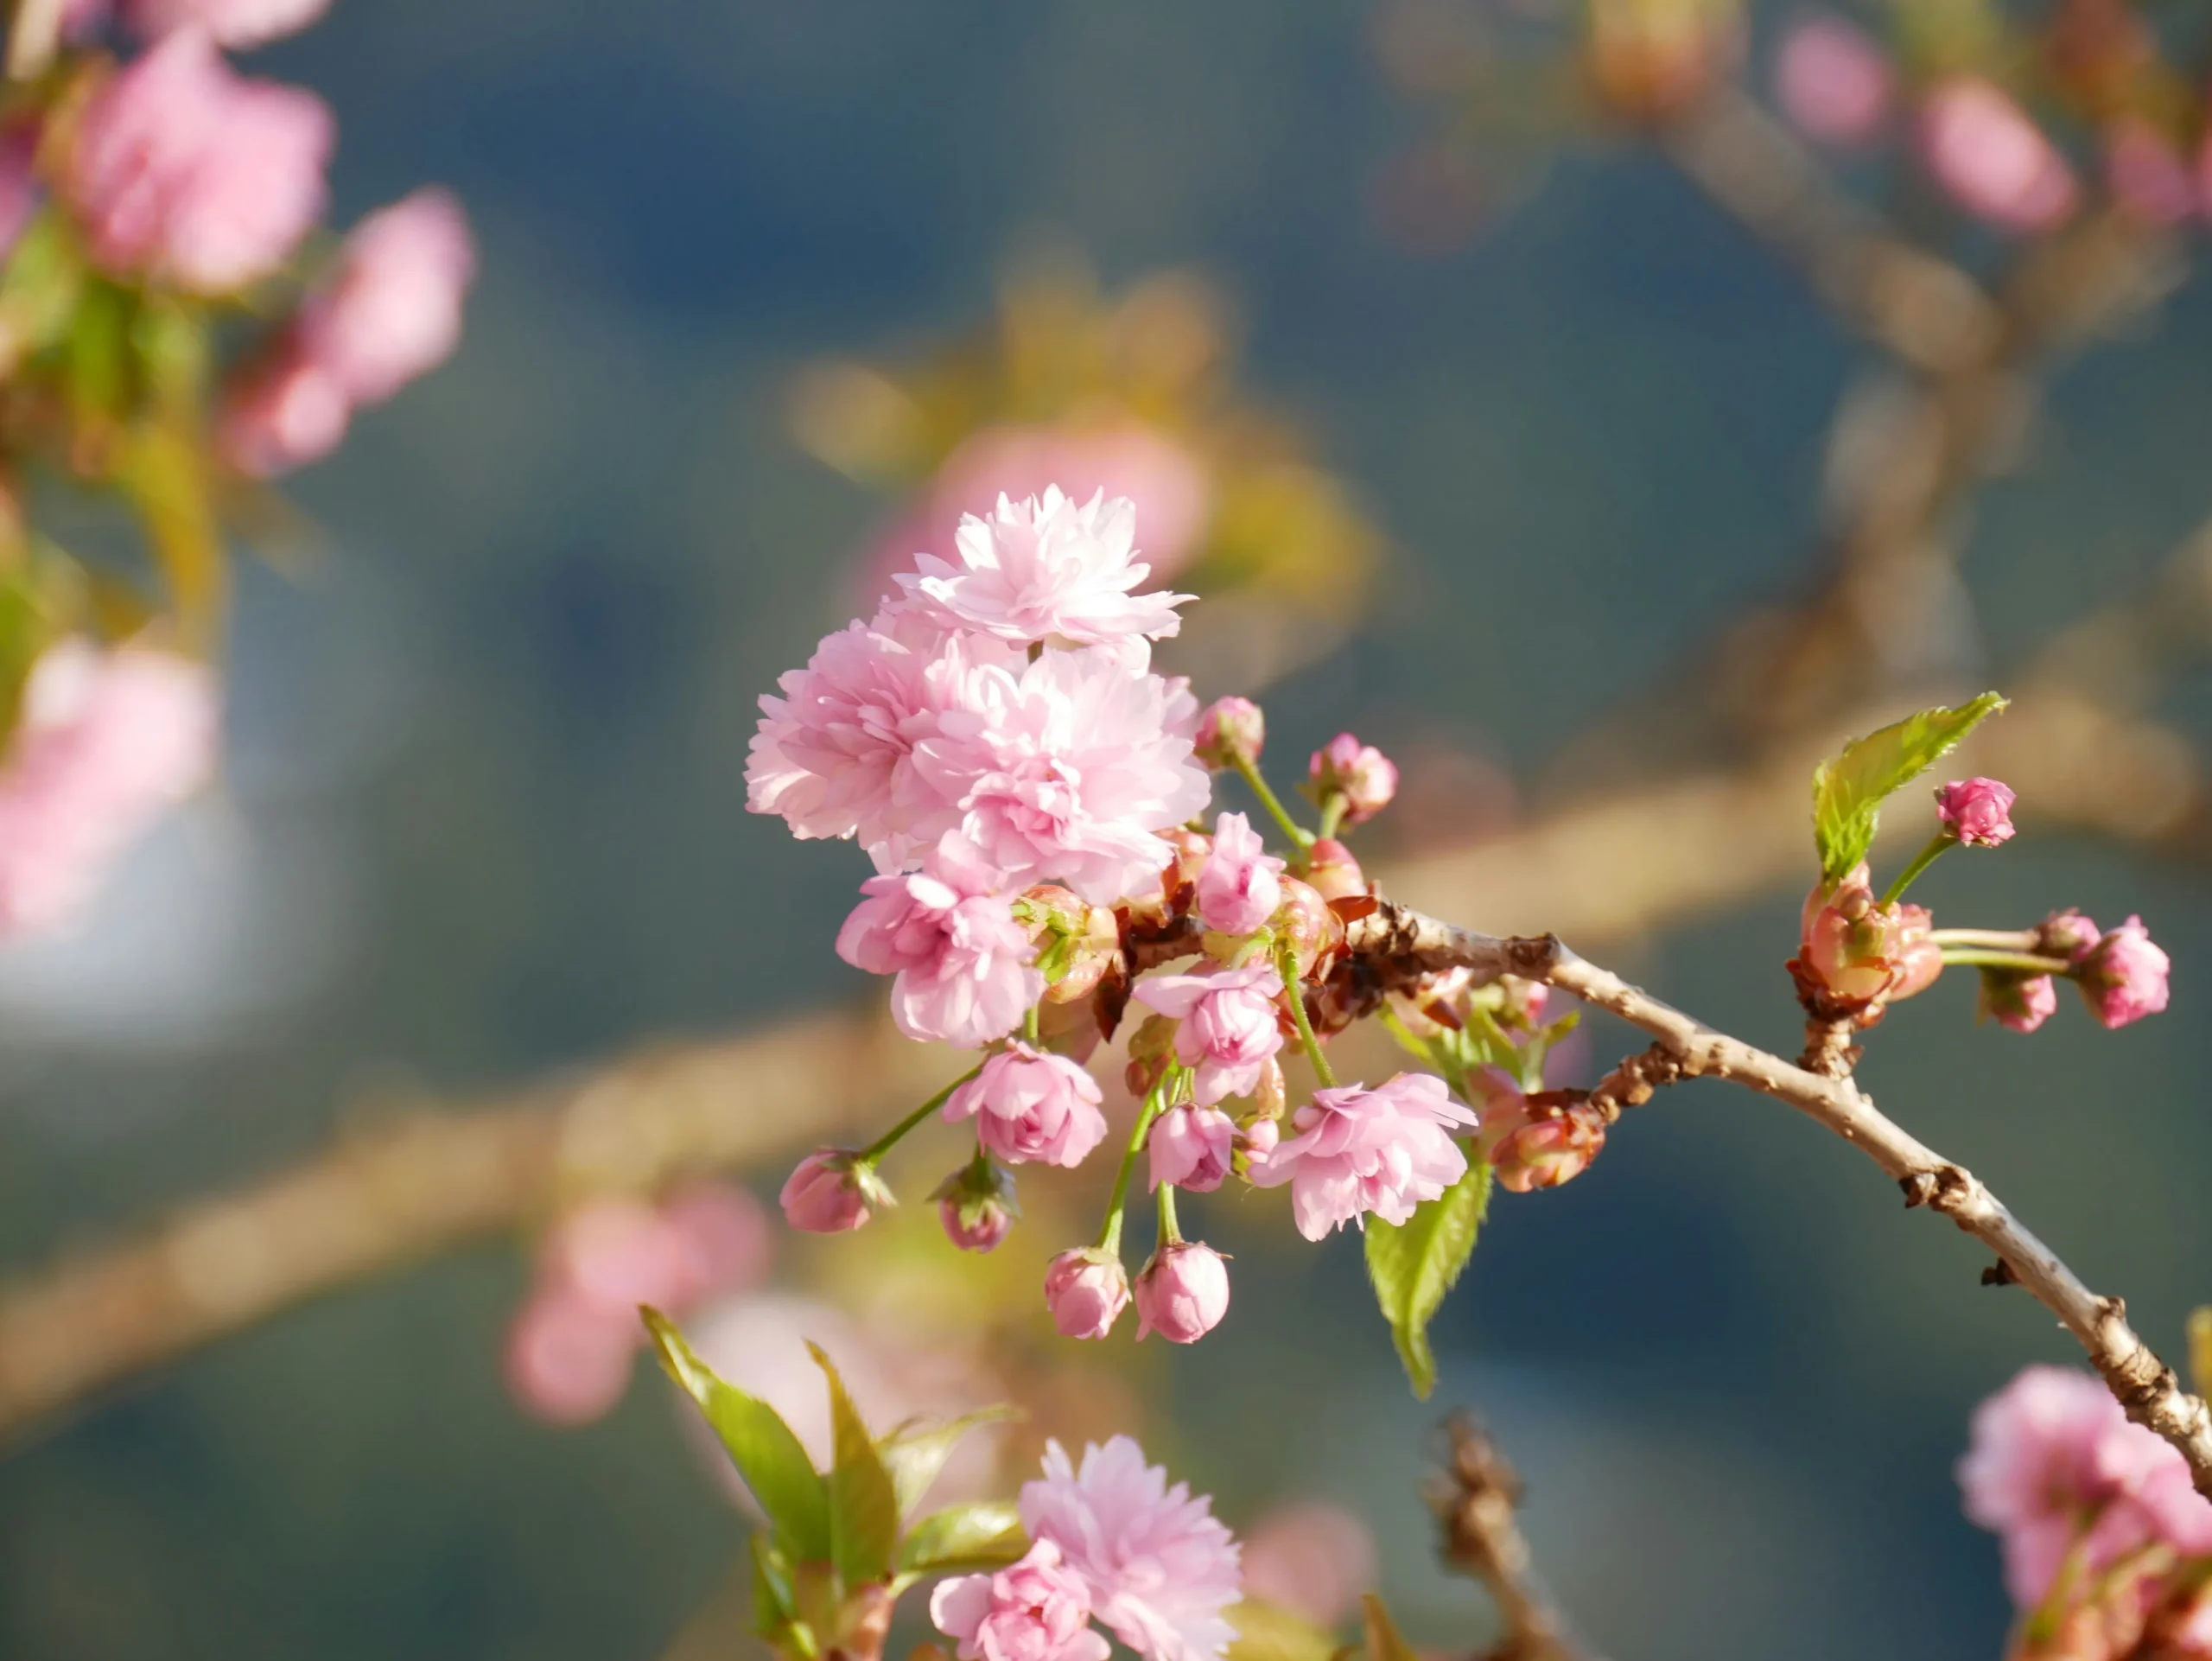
1228 1025
1358 1150
1978 811
1833 80
1992 158
1183 1293
1047 569
948 933
1031 1105
2055 1467
2124 975
236 23
107 741
1160 1566
1241 883
1362 777
1191 1148
1085 1291
185 171
1037 1609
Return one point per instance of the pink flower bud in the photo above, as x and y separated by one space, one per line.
977 1206
1362 775
1856 954
1259 1138
1077 943
1978 811
831 1191
1534 1142
2022 1003
1183 1293
1919 957
1993 161
391 311
1230 728
1086 1291
1333 872
1833 80
1315 932
2067 934
1032 1105
2124 975
1191 1148
1241 884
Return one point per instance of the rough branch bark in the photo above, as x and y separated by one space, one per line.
2145 1385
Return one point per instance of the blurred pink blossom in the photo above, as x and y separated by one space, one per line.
568 1360
19 184
1833 80
614 1254
2146 174
390 310
1995 162
107 741
1313 1560
186 171
235 23
2018 1002
282 413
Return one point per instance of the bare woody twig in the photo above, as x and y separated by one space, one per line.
1476 1497
1406 943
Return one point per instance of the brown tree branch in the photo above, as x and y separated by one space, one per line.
1476 1498
2145 1386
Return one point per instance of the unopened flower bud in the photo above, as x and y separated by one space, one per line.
833 1189
1333 872
1183 1293
2022 1003
1856 954
1086 1291
1152 1047
1259 1138
1231 726
1361 775
1978 811
1535 1141
977 1206
1316 934
1521 1004
2067 934
2124 975
1076 942
1919 957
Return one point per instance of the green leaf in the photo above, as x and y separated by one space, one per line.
1848 791
863 1499
1267 1631
775 1601
1384 1643
985 1534
917 1455
767 1455
1413 1266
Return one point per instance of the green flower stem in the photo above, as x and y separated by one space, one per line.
1029 1025
1332 814
1110 1237
1248 771
1169 1234
2027 962
1287 966
1921 861
884 1144
1998 940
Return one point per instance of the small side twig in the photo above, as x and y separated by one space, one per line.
1476 1497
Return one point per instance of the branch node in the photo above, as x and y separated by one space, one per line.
1919 1188
2000 1274
1636 1080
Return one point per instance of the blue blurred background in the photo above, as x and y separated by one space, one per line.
486 818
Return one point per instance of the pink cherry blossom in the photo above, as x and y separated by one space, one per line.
1360 775
391 310
1230 728
1856 953
1035 1610
1086 1291
106 742
964 965
1539 1143
1358 1150
1833 80
1228 1030
1030 1104
1191 1148
185 171
282 412
1995 162
614 1254
1978 811
1313 1560
723 1237
1183 1293
1046 569
1066 769
826 1194
2123 976
2021 1002
1160 1566
239 24
1241 883
568 1360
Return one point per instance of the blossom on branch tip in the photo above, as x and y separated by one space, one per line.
1183 1293
1229 1027
1036 1609
1231 728
1162 1567
1030 1105
1357 1150
831 1191
1978 811
2018 1002
1086 1291
1191 1148
1046 569
1241 883
948 933
1359 774
2123 976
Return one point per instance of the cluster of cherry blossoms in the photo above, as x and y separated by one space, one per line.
2107 1546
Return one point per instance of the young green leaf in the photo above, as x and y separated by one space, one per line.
1267 1631
917 1454
863 1499
1413 1266
1848 791
1384 1643
775 1602
767 1455
985 1534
